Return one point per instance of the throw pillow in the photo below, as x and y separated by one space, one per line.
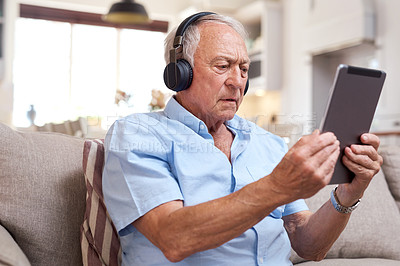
99 238
42 194
373 229
11 254
391 168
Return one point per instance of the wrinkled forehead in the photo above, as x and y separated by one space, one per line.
212 29
216 38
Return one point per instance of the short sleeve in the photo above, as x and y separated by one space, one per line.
296 206
137 175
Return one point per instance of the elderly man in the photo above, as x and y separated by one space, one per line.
197 185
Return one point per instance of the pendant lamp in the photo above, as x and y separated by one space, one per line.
127 12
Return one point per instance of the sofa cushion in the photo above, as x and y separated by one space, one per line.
373 229
391 168
11 253
42 199
100 241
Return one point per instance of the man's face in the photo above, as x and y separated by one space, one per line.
219 74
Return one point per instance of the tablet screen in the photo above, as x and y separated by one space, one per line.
351 108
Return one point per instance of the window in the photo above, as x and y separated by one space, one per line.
68 70
41 70
142 66
93 69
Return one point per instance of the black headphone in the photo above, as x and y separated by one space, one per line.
178 74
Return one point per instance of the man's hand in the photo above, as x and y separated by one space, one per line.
365 162
307 167
312 235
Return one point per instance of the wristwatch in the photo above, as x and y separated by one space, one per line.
340 208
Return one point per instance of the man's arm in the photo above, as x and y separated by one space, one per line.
181 231
312 235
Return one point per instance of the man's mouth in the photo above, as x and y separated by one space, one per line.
230 100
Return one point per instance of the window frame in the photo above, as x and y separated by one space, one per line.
79 17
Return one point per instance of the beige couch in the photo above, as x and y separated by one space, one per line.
42 205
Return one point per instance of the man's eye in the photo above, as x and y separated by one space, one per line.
245 69
222 66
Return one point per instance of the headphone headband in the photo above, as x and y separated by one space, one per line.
185 24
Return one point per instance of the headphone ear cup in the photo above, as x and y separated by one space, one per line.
169 76
179 76
247 87
186 74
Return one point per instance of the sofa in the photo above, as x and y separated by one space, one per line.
51 207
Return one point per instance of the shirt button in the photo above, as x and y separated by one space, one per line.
261 260
202 127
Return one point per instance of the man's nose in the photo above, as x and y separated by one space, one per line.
235 78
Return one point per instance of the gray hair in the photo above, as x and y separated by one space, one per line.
191 36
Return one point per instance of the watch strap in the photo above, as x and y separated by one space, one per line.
340 208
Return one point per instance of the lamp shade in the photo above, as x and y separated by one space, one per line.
127 12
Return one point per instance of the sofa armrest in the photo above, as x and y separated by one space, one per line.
391 168
11 253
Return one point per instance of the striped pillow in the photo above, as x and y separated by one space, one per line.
99 239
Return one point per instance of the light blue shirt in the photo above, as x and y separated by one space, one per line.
169 155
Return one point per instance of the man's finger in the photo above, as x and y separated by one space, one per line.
367 150
312 144
328 165
358 169
370 139
315 132
362 161
324 154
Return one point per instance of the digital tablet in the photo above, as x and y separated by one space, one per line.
351 107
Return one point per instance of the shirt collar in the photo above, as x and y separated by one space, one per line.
176 111
239 123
